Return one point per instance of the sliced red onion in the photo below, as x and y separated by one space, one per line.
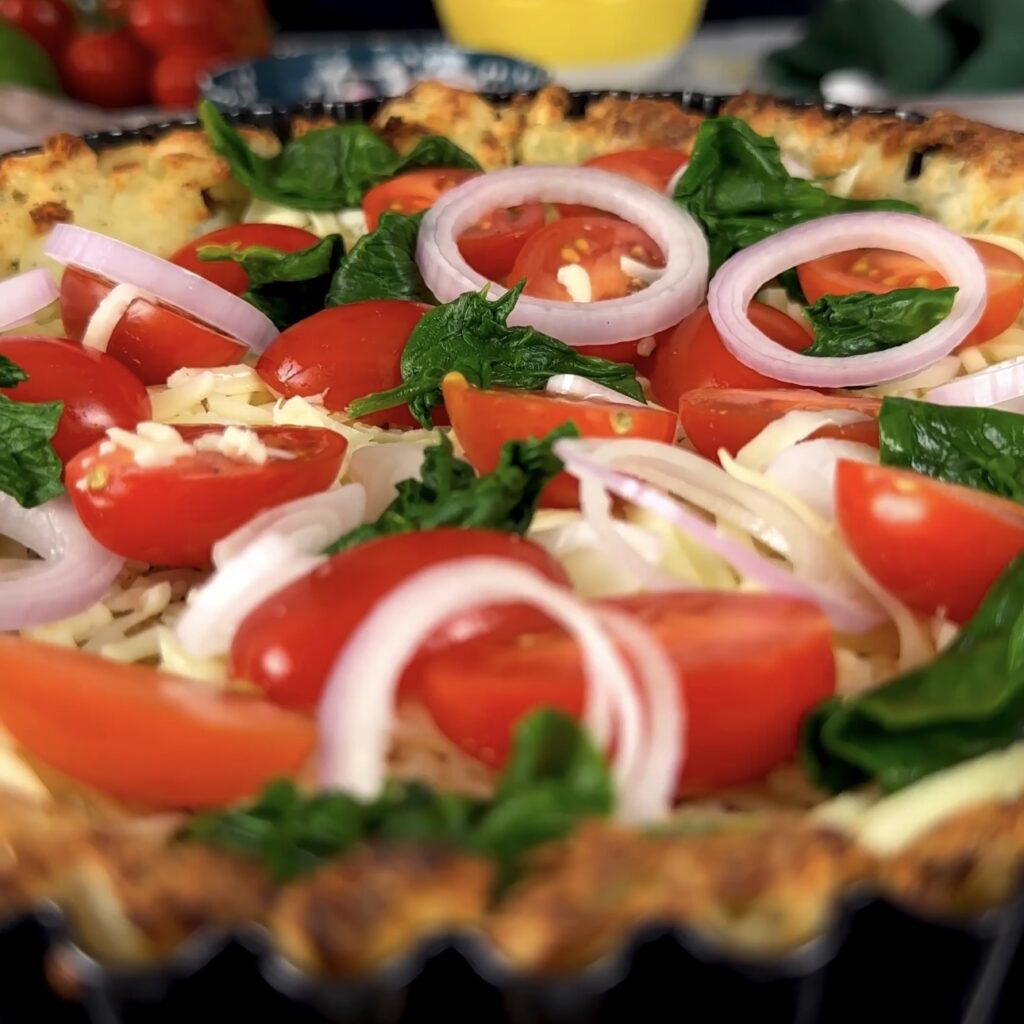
23 296
358 704
677 293
379 468
998 384
170 284
74 573
216 609
573 386
808 470
739 279
844 613
310 523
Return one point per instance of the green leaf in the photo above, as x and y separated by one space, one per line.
554 777
968 701
286 286
10 374
29 468
327 169
470 336
974 447
382 265
737 189
853 325
450 494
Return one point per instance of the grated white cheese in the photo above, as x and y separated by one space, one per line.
576 281
640 271
156 449
108 314
238 443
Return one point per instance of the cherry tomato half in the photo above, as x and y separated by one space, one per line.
750 667
879 271
161 741
173 514
936 546
288 644
412 192
714 418
106 68
693 355
344 353
151 340
97 391
51 23
226 273
651 167
597 244
492 245
483 420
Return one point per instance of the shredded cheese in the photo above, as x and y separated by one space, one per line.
576 281
108 314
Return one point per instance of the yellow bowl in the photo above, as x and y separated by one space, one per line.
572 33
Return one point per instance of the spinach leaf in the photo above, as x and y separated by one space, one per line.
853 325
286 286
738 190
450 493
326 169
470 336
382 265
968 701
10 375
554 778
30 471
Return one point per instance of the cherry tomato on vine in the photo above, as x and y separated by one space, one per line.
51 23
106 68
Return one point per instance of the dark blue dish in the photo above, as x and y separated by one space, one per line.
355 72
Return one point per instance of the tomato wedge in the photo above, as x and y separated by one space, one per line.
750 667
484 420
343 353
412 192
492 245
172 514
97 391
714 418
151 340
694 356
288 644
936 546
230 275
150 737
879 271
651 167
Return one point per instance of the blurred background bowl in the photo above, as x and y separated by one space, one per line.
584 43
358 71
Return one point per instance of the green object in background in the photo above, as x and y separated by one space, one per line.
964 46
24 62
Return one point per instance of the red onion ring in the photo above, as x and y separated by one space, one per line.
21 297
740 278
73 574
844 615
172 285
673 296
357 707
999 383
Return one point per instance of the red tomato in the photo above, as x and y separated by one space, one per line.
412 192
173 514
484 420
107 69
151 340
714 418
174 82
651 167
288 644
51 23
97 391
231 276
493 244
344 353
750 667
161 741
936 546
693 356
164 26
879 271
594 243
